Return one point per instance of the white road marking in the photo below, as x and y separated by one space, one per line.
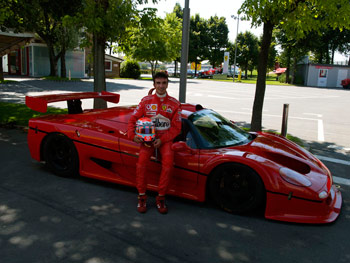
314 114
320 131
320 128
339 180
333 160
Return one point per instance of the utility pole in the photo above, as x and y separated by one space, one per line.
234 67
184 51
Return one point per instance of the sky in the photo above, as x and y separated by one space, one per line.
225 8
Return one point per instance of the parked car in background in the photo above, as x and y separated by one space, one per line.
209 73
171 72
345 83
191 72
230 72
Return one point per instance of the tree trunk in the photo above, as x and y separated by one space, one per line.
295 60
99 69
332 58
53 60
256 123
175 69
288 65
63 63
1 70
328 58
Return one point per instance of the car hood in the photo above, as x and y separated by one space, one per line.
284 153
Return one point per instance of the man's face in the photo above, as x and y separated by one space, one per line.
161 84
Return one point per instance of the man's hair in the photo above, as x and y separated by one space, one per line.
160 75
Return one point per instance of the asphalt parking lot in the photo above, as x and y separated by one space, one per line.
45 218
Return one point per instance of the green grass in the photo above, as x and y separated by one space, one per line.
6 81
12 114
270 80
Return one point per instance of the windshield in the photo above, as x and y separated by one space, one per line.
216 131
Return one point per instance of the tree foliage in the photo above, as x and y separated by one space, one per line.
106 20
199 40
218 39
247 51
297 18
208 39
154 39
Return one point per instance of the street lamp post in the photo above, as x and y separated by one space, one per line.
234 67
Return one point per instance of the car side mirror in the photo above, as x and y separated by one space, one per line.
181 147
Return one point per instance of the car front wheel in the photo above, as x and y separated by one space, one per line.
236 188
60 155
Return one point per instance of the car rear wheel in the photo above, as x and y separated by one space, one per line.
60 155
236 188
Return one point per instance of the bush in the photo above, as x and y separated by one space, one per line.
130 69
282 78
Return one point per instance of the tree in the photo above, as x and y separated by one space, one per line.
46 19
293 50
199 40
154 39
106 20
271 59
326 42
5 13
218 39
179 14
247 51
296 18
172 31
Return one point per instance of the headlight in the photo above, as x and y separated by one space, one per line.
323 195
294 177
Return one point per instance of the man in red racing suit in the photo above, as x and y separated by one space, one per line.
165 111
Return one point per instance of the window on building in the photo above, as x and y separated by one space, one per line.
108 65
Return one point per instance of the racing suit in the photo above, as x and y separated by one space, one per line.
166 114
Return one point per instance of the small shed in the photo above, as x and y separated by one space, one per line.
323 75
112 66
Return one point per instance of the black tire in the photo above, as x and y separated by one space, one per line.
60 155
236 188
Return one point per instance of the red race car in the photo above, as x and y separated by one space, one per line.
240 171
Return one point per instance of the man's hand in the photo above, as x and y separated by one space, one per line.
137 139
157 143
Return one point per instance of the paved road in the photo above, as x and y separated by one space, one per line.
45 218
49 219
319 116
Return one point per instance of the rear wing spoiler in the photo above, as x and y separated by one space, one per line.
39 103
